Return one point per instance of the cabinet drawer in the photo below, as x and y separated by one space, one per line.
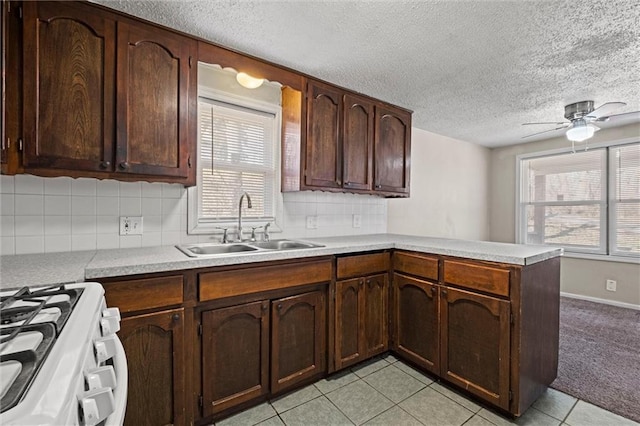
236 282
366 264
477 277
146 293
415 264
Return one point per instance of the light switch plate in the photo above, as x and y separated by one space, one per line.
130 225
357 221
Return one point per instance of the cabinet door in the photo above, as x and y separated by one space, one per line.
154 345
416 321
392 157
298 339
349 324
154 94
357 142
323 156
235 354
475 344
376 316
69 75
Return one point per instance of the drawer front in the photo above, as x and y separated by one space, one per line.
416 264
365 264
146 293
236 282
477 277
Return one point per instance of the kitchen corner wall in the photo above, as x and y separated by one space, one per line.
449 190
42 215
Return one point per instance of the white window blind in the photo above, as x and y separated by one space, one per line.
586 202
237 154
625 200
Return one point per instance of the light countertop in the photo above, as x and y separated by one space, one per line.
56 268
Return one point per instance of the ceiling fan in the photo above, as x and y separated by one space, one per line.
581 116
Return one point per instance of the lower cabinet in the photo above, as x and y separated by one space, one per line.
154 345
416 321
298 339
475 341
235 355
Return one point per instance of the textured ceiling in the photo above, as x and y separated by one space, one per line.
471 70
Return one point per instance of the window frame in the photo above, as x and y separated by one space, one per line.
198 225
607 222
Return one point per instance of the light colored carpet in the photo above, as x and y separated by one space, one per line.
600 355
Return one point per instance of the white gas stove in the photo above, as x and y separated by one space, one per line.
61 362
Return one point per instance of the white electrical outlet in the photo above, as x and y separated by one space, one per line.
312 222
357 221
130 225
611 285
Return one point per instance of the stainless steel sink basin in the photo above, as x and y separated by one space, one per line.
284 245
197 250
213 249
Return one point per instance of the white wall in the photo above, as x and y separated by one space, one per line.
579 276
42 215
449 190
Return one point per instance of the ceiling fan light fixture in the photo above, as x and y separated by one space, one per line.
580 131
249 82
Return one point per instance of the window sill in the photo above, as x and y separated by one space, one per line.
602 257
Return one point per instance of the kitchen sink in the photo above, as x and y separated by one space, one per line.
215 249
284 245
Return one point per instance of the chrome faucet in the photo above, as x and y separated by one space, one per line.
240 213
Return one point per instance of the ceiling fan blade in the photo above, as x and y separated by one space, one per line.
634 115
605 109
546 131
557 123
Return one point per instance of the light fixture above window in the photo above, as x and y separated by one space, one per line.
249 82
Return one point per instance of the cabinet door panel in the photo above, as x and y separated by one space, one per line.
357 142
475 344
153 101
323 159
376 317
392 150
298 339
416 321
235 350
69 62
349 326
154 346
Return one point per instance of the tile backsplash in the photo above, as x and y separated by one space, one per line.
42 215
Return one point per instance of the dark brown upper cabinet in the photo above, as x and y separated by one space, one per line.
392 147
105 96
68 86
352 143
357 142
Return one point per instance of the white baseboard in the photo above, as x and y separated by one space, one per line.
598 300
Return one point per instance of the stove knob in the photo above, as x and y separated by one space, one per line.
96 405
101 377
109 325
105 348
111 312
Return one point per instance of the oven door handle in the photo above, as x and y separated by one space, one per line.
120 393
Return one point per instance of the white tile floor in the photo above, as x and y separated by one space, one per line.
385 391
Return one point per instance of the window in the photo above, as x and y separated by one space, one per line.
237 152
587 202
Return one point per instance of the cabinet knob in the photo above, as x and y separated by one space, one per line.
279 306
444 292
361 283
124 165
175 317
347 184
369 283
104 165
433 290
378 186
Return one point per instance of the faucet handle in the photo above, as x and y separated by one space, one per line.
265 235
253 232
225 239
